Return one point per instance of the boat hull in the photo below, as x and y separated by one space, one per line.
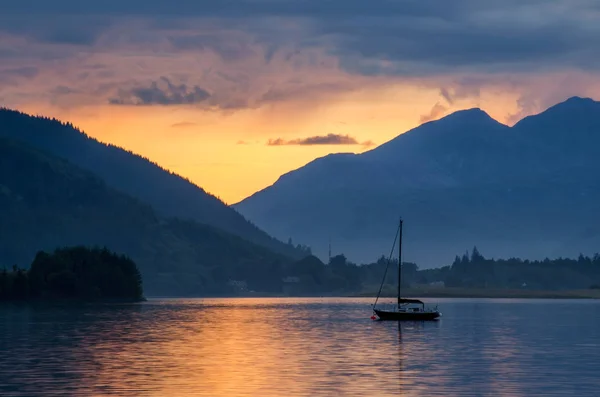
406 316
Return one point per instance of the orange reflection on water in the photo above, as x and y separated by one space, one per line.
247 347
288 347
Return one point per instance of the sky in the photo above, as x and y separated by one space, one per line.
233 93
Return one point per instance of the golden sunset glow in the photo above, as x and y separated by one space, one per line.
203 96
227 154
291 198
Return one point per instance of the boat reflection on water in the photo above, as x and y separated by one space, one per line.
411 337
400 359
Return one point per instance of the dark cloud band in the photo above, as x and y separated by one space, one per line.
162 92
376 37
400 38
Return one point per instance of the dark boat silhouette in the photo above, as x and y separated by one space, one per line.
406 309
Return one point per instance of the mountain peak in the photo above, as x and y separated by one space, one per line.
472 111
578 99
573 110
461 120
468 125
472 114
491 183
576 102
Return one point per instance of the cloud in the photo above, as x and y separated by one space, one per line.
297 90
161 92
526 104
460 36
550 90
184 124
224 8
25 71
436 111
63 90
240 54
58 29
237 8
329 139
228 45
11 75
464 88
405 38
368 144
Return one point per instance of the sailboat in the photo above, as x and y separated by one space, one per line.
406 309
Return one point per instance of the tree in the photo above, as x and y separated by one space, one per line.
4 284
382 260
338 261
457 262
74 273
476 256
409 273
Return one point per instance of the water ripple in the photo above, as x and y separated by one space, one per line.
299 347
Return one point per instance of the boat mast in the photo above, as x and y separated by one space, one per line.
399 261
387 266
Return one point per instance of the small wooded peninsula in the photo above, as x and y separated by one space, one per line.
74 274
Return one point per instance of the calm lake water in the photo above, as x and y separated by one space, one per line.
300 347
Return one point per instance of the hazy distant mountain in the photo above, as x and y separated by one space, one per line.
529 190
168 193
46 202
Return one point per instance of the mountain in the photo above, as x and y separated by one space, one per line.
168 193
531 190
46 202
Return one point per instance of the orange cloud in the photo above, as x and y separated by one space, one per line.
183 124
436 111
329 139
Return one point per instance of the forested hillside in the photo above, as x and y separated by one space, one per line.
46 202
169 194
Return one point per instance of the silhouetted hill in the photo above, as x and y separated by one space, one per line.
46 202
532 190
166 192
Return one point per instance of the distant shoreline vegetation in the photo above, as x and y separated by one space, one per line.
77 274
470 275
74 274
485 293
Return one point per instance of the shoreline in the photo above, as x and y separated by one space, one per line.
408 293
71 301
487 293
423 293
